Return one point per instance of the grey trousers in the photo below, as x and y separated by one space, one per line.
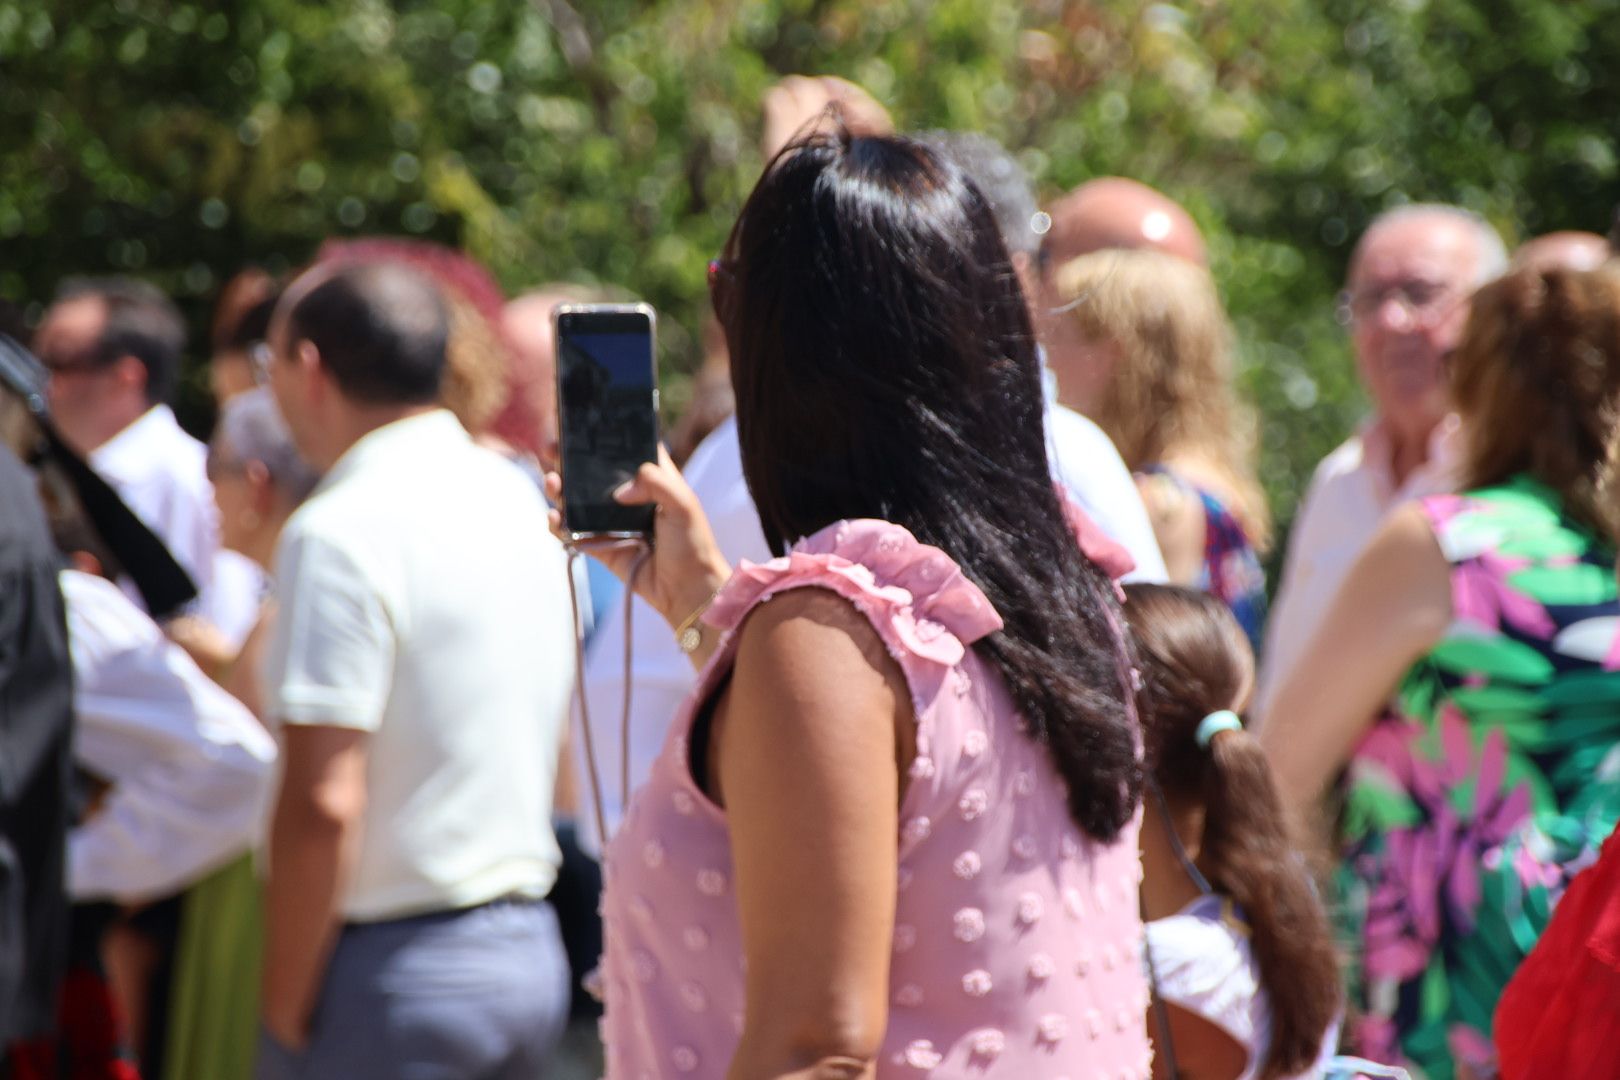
480 994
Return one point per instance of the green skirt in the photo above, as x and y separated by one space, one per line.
214 1007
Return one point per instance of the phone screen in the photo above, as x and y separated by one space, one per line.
608 413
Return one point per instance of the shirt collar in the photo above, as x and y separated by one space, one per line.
138 444
1434 475
438 427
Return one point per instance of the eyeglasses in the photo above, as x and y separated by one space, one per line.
1422 304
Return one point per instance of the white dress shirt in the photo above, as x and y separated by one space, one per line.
422 598
190 769
159 472
1083 459
1351 491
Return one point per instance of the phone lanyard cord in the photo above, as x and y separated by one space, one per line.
583 698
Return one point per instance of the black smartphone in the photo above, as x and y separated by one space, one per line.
607 413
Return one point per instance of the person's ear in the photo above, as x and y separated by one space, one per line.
258 479
130 372
312 371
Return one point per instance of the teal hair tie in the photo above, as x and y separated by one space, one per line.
1215 723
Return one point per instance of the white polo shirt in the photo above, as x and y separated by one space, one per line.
423 600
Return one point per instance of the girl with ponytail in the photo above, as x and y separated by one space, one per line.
1240 950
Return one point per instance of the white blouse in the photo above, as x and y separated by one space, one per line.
1203 963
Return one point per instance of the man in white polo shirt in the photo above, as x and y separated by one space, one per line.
421 674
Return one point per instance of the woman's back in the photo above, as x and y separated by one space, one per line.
1493 778
1016 947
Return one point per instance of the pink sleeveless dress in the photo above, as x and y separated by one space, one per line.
1017 941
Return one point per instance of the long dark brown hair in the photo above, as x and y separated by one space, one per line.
1536 378
884 366
1195 660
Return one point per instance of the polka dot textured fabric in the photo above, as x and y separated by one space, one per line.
1017 941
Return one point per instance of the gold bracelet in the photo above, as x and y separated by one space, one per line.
689 635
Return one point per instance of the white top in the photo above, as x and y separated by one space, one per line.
1083 460
423 599
190 769
1352 490
158 470
1203 963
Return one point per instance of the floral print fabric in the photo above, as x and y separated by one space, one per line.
1231 570
1492 780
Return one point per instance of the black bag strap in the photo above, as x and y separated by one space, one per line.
1163 1044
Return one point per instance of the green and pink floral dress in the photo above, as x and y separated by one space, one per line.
1492 781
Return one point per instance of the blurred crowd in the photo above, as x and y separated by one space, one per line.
1025 771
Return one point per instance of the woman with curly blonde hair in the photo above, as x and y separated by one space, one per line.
1156 375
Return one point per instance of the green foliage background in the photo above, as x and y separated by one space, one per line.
614 141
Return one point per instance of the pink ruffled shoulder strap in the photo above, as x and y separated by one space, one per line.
915 595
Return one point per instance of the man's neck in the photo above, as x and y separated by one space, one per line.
1408 452
361 420
115 424
261 548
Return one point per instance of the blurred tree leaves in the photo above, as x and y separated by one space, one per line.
614 140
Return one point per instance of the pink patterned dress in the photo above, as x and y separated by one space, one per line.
1493 779
1017 941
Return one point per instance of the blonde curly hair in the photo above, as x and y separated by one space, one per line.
1171 395
474 387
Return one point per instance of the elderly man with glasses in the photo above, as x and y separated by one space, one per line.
1405 305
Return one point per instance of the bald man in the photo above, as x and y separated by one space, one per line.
527 322
1109 212
1405 304
1115 212
1568 250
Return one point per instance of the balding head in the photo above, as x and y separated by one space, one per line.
527 322
1568 250
380 328
1424 225
1406 303
1114 212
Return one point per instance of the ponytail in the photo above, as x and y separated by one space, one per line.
1247 855
1195 662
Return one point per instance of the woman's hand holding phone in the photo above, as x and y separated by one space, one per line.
686 566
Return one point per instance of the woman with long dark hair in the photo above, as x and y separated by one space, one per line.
893 833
